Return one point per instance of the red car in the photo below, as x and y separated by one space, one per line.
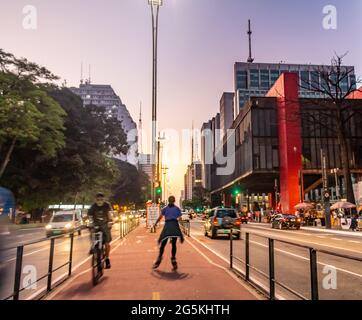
243 218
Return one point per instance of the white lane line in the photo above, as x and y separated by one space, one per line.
52 295
336 239
227 261
307 259
286 253
42 249
281 238
232 275
354 241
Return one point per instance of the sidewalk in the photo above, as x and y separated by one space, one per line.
201 275
349 233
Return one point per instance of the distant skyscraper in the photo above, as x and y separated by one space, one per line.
104 96
226 111
145 164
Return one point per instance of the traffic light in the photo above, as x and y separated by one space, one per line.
236 191
158 191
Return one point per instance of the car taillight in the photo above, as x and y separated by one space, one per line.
237 222
215 222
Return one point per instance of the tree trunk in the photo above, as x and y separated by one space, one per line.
345 160
7 157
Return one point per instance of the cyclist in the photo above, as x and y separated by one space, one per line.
100 212
171 231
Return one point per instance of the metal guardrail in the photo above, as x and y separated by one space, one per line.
185 227
313 269
125 227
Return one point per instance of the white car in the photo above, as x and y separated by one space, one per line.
185 216
63 222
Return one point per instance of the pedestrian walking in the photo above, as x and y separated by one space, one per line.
354 223
171 231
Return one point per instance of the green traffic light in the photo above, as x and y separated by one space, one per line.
158 190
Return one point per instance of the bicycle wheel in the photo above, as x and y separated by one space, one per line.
96 266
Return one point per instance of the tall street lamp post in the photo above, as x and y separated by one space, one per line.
155 8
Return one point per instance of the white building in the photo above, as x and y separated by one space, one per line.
104 96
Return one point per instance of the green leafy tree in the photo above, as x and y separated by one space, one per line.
132 186
77 171
28 115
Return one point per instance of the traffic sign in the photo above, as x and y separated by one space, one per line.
153 212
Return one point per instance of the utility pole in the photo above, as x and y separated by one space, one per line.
164 169
326 193
155 8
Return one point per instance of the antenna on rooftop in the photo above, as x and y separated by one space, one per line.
89 75
81 73
250 59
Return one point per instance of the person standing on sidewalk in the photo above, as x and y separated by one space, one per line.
171 231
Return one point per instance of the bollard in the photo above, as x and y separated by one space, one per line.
247 256
71 254
18 268
50 267
231 249
271 270
313 274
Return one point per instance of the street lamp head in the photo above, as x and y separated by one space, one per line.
155 2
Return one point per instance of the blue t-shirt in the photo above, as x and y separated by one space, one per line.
171 213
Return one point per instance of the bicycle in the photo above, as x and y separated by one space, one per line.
98 254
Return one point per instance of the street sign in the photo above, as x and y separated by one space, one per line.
153 212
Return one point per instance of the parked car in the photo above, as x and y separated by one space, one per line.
222 221
286 221
63 222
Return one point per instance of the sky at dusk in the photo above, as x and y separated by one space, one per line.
199 41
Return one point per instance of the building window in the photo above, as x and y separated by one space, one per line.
242 80
254 78
304 80
274 75
264 78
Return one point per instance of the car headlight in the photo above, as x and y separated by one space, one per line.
48 226
68 226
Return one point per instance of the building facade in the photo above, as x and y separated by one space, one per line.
226 111
256 79
104 96
192 180
279 140
145 164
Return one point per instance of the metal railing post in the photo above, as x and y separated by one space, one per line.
50 267
271 270
71 254
247 256
231 249
18 268
313 273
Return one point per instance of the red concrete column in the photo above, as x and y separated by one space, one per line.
227 199
290 141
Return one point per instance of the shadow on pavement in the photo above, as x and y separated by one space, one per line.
172 276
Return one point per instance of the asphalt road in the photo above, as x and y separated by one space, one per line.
36 258
292 263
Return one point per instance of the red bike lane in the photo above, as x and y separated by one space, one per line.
201 275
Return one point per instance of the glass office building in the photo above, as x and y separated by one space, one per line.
255 79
